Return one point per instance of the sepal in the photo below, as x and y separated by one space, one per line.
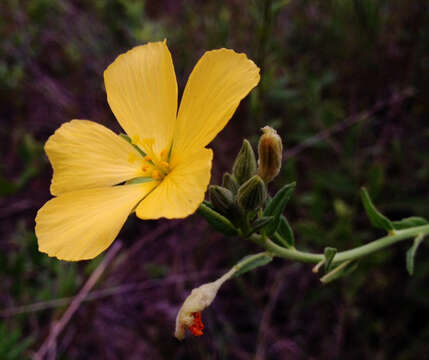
218 221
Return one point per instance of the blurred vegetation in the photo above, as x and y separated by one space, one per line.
357 64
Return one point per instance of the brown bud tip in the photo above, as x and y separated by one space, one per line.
270 152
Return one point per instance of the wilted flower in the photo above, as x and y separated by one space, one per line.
162 171
270 152
189 315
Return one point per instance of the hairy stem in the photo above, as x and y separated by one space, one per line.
352 254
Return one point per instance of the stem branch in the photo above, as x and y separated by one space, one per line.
353 254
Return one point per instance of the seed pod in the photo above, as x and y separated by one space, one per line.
230 183
270 151
245 163
252 194
221 198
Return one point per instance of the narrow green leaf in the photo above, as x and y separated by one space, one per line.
276 207
139 180
279 201
128 139
377 219
342 270
244 265
208 203
330 253
218 221
411 253
285 233
259 224
409 222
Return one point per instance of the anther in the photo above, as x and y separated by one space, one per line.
164 164
164 154
156 175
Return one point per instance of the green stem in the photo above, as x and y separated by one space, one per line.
251 258
330 275
353 254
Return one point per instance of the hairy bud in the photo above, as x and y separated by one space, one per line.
270 152
252 193
245 164
229 182
221 198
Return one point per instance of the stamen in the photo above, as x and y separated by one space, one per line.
164 164
153 164
156 175
164 154
197 326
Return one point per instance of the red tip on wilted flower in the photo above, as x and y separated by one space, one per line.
197 326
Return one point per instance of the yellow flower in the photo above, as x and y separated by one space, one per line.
95 170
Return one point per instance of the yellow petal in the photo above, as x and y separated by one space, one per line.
181 191
142 93
86 155
81 224
215 87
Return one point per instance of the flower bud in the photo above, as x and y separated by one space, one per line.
221 198
270 151
252 193
229 182
245 164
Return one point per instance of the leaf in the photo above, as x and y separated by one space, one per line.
128 139
259 224
409 222
208 204
330 253
377 219
139 180
285 233
218 221
259 260
342 270
411 253
277 205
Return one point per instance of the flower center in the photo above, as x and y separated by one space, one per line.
152 164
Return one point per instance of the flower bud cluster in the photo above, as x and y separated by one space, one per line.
238 207
244 190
